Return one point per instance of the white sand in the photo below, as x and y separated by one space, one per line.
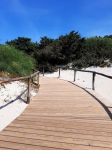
103 85
10 113
10 92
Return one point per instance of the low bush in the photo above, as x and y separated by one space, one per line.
15 62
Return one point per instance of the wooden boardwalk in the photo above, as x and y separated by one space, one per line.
61 117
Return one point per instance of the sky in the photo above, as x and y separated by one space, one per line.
52 18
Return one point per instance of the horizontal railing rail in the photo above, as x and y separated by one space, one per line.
30 80
94 73
98 73
20 78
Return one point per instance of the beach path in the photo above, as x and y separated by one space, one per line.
61 117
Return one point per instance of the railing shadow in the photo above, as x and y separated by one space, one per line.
32 79
17 98
106 108
98 100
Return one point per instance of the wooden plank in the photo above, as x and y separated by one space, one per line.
62 116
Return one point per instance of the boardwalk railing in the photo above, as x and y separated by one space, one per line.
94 73
32 80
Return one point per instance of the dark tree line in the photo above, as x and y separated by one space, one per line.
67 49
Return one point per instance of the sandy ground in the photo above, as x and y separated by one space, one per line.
10 92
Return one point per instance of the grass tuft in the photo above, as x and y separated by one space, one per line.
15 62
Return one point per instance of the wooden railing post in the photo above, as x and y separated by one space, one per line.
93 81
59 72
28 94
74 75
30 81
38 78
43 70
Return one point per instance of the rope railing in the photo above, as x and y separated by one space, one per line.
31 80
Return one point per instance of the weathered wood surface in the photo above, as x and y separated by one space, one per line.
61 117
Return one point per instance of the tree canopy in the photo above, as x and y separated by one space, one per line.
69 48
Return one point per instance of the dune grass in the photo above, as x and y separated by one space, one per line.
15 62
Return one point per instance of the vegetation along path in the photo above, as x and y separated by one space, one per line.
61 117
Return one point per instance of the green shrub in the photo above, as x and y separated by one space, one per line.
15 62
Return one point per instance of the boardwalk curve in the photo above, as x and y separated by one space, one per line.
61 117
